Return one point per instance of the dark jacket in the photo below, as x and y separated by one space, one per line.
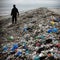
14 12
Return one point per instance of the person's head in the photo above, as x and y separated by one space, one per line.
14 6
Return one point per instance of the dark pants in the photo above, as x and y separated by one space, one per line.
14 19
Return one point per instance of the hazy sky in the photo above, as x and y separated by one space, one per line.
31 1
35 1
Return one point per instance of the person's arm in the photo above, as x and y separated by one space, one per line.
18 12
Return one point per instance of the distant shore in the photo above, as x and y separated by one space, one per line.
55 10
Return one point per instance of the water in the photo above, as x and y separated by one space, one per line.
6 6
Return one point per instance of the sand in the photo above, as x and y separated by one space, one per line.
56 10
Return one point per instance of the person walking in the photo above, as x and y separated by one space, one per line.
14 13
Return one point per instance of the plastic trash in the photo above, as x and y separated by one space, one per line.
15 46
5 48
49 31
37 37
55 30
12 49
42 37
38 44
54 42
27 52
18 53
52 22
32 39
10 38
25 28
58 45
24 43
58 19
36 58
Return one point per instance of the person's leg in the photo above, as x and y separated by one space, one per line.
15 19
12 19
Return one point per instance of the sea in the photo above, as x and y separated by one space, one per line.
6 6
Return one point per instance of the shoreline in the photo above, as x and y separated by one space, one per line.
55 10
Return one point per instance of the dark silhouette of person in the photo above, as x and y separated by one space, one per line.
14 13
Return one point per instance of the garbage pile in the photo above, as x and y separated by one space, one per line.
34 38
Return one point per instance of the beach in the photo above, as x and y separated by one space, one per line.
35 29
